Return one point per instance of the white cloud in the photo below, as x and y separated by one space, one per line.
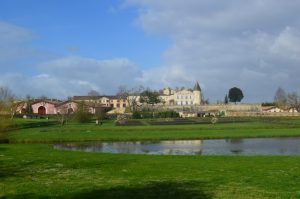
253 44
102 75
10 33
13 39
287 44
70 76
27 70
17 53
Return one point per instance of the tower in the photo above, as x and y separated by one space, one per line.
197 94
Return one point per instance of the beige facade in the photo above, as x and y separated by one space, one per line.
182 97
118 103
105 101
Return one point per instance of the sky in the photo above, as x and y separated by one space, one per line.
61 48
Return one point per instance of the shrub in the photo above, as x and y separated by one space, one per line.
5 124
136 115
214 120
129 123
82 114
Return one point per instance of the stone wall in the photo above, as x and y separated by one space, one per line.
214 108
231 110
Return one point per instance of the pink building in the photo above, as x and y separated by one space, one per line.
51 107
66 107
44 107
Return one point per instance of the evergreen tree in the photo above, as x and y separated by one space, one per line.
226 99
235 95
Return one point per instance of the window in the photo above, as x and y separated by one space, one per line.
118 105
124 105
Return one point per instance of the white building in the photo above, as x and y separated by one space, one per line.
182 97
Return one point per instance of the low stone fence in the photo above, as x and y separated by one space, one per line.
212 108
281 114
260 114
230 110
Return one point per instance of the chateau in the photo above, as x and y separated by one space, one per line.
182 97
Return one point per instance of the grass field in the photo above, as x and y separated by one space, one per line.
47 131
36 170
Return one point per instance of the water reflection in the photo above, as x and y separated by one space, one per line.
255 146
160 147
235 145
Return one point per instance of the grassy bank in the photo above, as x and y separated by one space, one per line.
49 132
38 171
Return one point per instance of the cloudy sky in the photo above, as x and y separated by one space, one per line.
61 48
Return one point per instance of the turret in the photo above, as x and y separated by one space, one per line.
197 87
197 94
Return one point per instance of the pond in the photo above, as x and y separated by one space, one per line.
245 146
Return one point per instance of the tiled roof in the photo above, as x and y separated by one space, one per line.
49 101
95 97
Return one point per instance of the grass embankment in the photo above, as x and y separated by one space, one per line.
49 133
38 171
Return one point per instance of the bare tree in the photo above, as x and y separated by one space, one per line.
15 105
28 102
203 100
6 103
6 96
293 101
63 113
93 93
100 113
82 114
131 96
280 98
95 101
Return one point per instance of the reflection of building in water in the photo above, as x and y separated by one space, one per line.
156 147
122 147
159 147
182 147
235 145
183 142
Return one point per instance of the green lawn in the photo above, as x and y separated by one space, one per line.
35 171
39 171
109 132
